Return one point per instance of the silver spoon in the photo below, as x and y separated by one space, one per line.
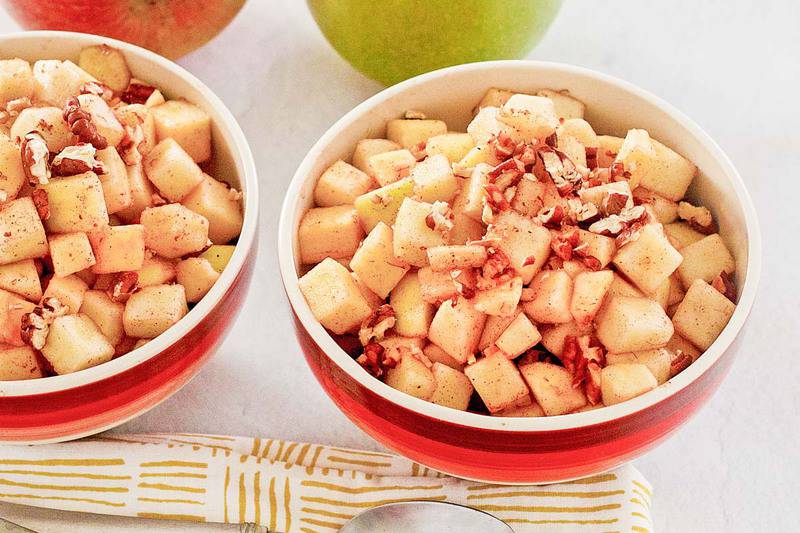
425 517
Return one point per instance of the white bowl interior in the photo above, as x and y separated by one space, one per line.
232 163
613 107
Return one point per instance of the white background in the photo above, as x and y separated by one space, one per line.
732 66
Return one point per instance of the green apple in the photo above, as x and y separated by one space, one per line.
391 40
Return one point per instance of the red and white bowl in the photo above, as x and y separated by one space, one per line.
66 407
524 450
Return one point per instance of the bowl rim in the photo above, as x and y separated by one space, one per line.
512 424
240 153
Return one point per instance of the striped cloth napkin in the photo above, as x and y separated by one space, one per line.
292 487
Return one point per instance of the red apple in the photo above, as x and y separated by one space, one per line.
169 27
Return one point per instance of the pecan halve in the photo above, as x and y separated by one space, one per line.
724 284
123 285
137 93
374 327
77 159
35 159
80 123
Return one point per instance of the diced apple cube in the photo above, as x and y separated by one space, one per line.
566 106
334 297
552 388
76 204
19 363
107 64
528 198
22 235
12 174
581 130
74 343
341 184
329 232
434 180
533 117
372 299
437 355
103 118
456 329
390 167
68 290
454 146
453 388
105 313
520 336
486 125
494 97
187 124
630 324
589 290
382 205
705 259
554 337
666 211
413 314
446 258
473 192
412 236
121 248
16 80
141 194
116 188
436 287
495 326
655 166
220 205
173 231
648 260
21 278
366 148
498 382
480 154
70 253
408 133
600 247
156 271
197 277
12 308
573 149
526 243
621 382
465 228
679 344
501 299
598 194
172 170
552 295
56 81
152 310
219 255
703 314
411 376
658 361
375 262
528 411
48 121
681 234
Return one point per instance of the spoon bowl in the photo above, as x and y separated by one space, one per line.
425 517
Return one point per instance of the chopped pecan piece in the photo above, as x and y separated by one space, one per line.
725 285
563 244
13 108
80 123
98 89
465 282
591 157
698 217
41 203
552 218
614 202
679 362
77 159
35 159
374 360
137 93
35 325
374 327
440 218
123 285
413 114
419 151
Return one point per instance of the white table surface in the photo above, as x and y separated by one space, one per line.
730 65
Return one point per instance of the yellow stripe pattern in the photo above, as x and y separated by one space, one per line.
293 487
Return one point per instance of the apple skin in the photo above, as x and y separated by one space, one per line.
171 28
393 40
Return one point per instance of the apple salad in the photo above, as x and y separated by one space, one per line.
109 227
527 267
